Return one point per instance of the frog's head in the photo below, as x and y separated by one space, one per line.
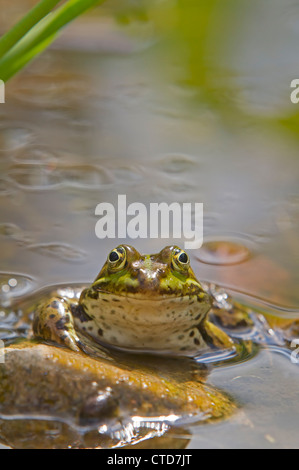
140 297
166 274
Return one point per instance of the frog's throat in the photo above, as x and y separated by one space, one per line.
131 323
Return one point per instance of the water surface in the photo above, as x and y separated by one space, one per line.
191 107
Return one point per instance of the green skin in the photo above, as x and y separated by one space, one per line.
140 303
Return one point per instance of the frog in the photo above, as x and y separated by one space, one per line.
138 303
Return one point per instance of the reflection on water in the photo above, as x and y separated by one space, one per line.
223 252
195 108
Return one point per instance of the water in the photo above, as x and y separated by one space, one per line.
165 110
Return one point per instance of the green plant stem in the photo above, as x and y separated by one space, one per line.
41 35
8 40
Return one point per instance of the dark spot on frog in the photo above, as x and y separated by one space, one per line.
100 332
61 323
196 341
79 312
198 316
93 294
52 315
55 304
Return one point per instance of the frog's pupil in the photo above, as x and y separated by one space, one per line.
113 256
183 258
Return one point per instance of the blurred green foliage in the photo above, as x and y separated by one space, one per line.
199 34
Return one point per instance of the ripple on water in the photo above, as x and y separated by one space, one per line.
14 232
59 250
35 155
223 252
5 187
84 176
51 91
177 163
14 138
127 174
45 173
34 176
13 286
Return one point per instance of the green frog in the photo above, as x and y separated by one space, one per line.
139 303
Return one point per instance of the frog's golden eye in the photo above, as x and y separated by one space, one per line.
180 260
117 258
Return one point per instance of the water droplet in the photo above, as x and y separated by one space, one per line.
12 282
223 252
70 292
59 250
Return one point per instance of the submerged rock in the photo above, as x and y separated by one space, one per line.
51 397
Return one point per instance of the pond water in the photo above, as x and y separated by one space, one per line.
166 103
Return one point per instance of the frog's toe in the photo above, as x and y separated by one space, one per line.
70 340
53 321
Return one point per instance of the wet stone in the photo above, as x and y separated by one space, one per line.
46 384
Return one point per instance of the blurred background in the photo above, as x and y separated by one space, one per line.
164 101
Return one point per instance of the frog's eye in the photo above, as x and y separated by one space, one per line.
117 258
180 260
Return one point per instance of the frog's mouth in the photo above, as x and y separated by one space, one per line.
199 296
152 309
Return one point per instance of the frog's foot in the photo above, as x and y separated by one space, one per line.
228 312
53 321
217 337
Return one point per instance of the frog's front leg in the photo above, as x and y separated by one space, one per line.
53 320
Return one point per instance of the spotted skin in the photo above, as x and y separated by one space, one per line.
53 321
167 323
141 303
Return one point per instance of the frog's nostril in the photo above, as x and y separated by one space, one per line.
148 278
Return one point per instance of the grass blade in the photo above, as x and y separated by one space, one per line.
41 35
8 40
